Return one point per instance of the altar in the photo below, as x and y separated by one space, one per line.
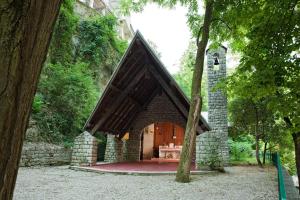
170 152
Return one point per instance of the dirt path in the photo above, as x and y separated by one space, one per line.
240 183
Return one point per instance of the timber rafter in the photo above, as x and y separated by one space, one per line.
139 77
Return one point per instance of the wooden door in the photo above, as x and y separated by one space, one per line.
179 134
166 133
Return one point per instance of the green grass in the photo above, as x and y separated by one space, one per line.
247 161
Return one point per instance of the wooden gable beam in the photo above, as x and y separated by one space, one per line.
121 118
129 120
134 101
169 91
118 100
138 56
115 116
154 93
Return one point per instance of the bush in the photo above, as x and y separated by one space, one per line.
37 103
240 150
288 161
68 96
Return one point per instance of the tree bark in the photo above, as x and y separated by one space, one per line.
25 32
257 151
183 170
257 138
296 139
265 151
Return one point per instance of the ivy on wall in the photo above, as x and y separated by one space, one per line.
82 56
99 46
62 48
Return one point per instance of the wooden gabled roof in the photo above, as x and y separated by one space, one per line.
139 77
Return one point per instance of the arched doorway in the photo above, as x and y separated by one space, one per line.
161 141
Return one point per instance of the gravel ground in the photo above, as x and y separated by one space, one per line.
241 183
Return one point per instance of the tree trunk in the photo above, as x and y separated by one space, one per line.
257 138
183 170
25 32
265 151
296 139
257 150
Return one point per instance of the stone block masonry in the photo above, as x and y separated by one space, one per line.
43 154
85 150
37 152
114 149
118 150
212 147
133 146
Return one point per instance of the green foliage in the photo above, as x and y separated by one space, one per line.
241 148
272 70
61 47
37 103
287 153
269 68
185 75
80 54
99 46
69 95
288 161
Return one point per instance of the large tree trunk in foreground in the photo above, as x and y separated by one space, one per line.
25 32
183 170
296 139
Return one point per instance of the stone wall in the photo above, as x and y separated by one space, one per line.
37 152
42 154
212 147
118 150
84 150
85 11
91 8
114 149
133 146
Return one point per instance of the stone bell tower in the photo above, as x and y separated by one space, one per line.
212 146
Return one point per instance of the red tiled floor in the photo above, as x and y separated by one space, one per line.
142 166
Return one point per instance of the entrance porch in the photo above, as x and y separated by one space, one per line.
160 142
146 167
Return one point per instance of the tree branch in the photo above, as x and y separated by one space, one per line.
198 35
221 20
288 122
